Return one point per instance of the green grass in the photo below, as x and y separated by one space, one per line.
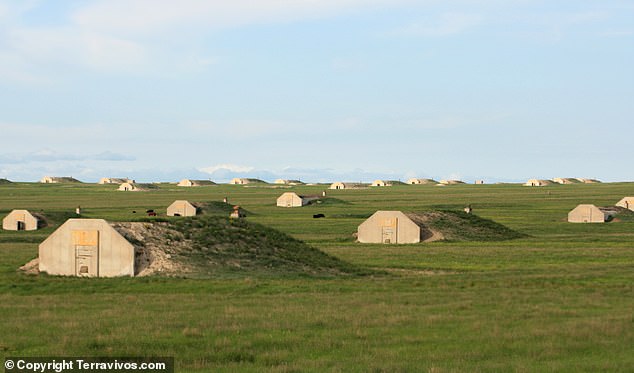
221 246
460 226
560 298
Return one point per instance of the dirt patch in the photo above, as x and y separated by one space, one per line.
155 247
32 267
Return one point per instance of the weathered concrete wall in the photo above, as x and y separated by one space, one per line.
114 180
292 199
129 187
19 218
388 227
181 208
382 183
194 183
586 214
88 248
340 185
565 180
627 203
415 181
538 182
450 182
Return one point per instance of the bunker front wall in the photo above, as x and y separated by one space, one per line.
383 228
289 200
182 209
59 253
586 215
10 223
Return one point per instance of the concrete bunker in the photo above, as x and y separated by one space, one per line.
586 213
538 182
626 203
385 183
20 220
245 181
416 181
566 180
391 227
114 180
450 182
182 208
194 183
288 182
135 187
58 179
292 199
343 185
86 248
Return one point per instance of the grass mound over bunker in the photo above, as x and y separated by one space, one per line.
212 246
218 208
460 226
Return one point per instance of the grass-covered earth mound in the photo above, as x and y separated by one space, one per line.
5 181
328 201
212 246
459 226
218 208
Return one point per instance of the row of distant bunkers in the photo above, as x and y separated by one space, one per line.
128 184
96 248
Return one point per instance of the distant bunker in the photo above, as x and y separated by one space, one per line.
292 199
342 185
194 183
20 220
586 213
397 227
86 248
626 203
182 208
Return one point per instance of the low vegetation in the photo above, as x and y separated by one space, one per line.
460 226
216 247
218 208
560 298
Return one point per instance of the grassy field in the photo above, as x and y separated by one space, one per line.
559 299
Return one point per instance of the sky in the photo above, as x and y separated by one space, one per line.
317 90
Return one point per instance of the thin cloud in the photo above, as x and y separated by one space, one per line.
48 155
226 167
617 33
150 16
136 36
446 25
110 156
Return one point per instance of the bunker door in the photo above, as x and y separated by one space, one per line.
586 216
86 245
389 230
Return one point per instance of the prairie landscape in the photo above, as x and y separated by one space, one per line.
558 297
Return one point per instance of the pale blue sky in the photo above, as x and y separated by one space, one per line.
319 90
